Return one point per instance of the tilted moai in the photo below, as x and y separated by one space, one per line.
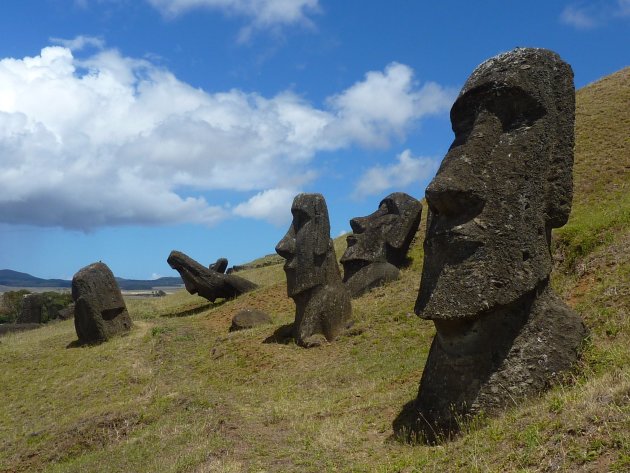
379 243
506 181
206 282
99 309
322 302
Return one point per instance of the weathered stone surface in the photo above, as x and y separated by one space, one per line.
205 282
32 309
378 246
504 184
219 266
249 318
99 308
371 276
322 302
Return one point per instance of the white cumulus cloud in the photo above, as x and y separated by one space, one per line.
263 14
272 205
384 105
584 15
406 170
113 140
578 18
80 42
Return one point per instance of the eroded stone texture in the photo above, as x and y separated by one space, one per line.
219 266
378 246
505 182
209 284
99 309
322 302
32 309
249 318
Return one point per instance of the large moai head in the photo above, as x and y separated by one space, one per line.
307 244
384 235
503 185
501 333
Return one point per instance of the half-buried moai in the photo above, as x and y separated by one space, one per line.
206 282
506 181
99 308
379 243
322 302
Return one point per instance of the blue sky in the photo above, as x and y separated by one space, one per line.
129 128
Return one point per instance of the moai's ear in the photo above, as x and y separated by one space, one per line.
321 224
560 167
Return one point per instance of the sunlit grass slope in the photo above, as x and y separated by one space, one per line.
180 393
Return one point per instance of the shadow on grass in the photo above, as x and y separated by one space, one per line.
411 427
194 310
80 344
282 335
92 343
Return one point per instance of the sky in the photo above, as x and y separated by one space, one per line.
129 128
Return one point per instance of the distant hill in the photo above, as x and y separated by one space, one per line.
17 279
139 284
12 278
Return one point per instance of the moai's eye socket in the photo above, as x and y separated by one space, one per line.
515 108
300 218
390 206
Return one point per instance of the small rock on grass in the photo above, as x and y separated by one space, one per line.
249 318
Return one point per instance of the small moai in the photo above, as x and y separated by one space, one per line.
99 309
378 245
206 282
506 181
219 265
32 311
322 302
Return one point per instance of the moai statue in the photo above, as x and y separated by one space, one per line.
506 181
378 246
32 309
322 302
99 309
206 282
219 266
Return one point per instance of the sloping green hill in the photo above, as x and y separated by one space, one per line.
180 393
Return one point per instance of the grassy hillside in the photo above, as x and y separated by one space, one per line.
180 393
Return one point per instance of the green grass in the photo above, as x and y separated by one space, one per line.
180 393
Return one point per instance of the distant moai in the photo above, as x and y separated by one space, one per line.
379 243
506 181
322 302
206 282
99 309
219 265
32 311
